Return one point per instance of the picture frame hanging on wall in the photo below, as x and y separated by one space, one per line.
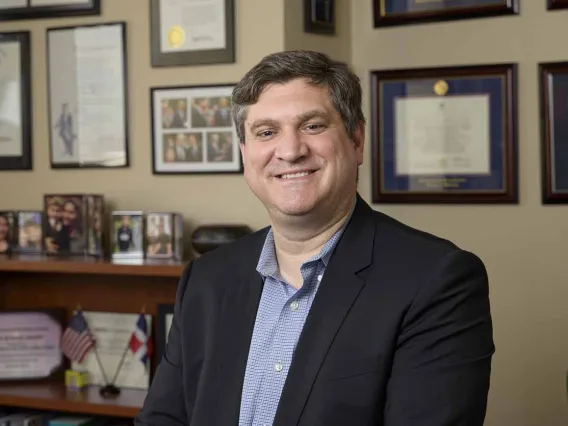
445 134
42 9
319 17
87 96
192 130
185 32
404 12
557 4
15 101
553 87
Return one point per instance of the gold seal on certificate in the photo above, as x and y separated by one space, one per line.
441 87
176 36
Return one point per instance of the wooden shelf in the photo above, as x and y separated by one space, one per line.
80 265
55 397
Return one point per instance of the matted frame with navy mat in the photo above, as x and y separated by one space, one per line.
445 135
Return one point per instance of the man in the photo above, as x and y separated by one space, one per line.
335 314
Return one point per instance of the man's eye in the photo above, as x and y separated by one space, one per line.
265 133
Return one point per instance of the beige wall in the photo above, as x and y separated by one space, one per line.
523 246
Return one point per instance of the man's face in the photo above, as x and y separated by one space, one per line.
294 128
69 213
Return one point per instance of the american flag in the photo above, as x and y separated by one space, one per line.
77 339
140 345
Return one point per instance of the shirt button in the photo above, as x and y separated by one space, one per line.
278 366
319 277
294 305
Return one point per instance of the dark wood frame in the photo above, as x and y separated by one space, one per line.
557 4
161 333
508 7
200 57
318 27
91 7
546 71
123 26
23 162
155 89
508 71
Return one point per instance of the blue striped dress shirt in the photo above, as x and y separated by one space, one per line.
280 318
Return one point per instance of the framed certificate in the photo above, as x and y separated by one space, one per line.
87 88
402 12
445 135
186 32
557 4
554 131
36 9
15 101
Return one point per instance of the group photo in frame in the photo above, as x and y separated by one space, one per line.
404 12
553 85
192 130
445 135
88 96
186 32
41 9
15 101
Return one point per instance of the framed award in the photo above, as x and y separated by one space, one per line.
402 12
554 131
15 101
444 135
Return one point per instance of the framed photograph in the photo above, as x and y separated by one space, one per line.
41 9
30 232
163 236
8 232
186 32
403 12
163 324
554 131
192 130
88 108
127 234
445 135
557 4
319 17
15 101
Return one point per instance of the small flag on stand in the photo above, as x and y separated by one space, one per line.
77 340
140 345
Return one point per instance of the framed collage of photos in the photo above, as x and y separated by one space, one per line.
15 101
192 130
40 9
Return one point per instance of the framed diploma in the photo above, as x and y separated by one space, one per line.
402 12
186 32
87 90
557 4
445 135
554 132
319 16
15 101
36 9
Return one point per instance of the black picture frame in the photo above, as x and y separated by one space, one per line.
492 172
553 94
88 8
557 4
319 17
220 134
203 56
165 312
21 161
122 159
439 12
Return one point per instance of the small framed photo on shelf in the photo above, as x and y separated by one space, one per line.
15 101
554 131
30 232
319 17
87 96
41 9
404 12
192 33
444 135
192 130
127 234
163 324
557 4
8 232
164 236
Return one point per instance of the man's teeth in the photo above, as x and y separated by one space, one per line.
294 175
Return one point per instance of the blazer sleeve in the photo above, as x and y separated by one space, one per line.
164 404
442 364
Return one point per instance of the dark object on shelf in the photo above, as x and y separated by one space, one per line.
208 237
109 391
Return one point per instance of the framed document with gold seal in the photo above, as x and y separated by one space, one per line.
186 32
444 135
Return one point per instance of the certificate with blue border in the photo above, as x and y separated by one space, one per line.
445 135
554 131
402 12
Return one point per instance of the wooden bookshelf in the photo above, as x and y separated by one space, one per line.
55 397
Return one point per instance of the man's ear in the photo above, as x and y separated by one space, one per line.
358 139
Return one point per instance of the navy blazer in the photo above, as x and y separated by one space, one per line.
399 334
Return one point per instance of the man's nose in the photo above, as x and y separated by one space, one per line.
291 147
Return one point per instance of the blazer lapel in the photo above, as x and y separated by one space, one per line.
338 291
